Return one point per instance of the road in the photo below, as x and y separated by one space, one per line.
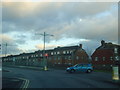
61 79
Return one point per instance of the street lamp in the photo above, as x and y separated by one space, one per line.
45 64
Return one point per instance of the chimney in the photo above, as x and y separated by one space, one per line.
102 43
80 45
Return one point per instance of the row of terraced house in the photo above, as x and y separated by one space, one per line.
104 57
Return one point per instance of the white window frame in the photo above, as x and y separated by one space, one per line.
59 58
58 52
96 58
115 50
69 57
116 58
36 55
51 53
65 57
41 55
64 52
68 52
59 63
77 57
103 58
111 58
71 51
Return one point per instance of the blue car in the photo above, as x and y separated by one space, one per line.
80 68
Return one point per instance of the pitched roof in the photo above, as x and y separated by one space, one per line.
66 48
108 46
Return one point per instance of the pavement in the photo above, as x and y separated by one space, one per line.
37 78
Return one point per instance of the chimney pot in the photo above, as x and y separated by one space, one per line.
102 42
80 45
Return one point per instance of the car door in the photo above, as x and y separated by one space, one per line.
84 68
79 67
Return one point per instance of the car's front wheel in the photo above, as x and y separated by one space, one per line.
72 71
89 71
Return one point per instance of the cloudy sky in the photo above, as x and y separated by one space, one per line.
71 23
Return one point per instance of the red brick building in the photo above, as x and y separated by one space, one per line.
105 56
68 55
60 56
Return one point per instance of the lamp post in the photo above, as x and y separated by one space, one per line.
45 61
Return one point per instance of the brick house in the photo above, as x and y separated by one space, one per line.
106 56
60 56
64 56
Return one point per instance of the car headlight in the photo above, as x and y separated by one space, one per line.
68 68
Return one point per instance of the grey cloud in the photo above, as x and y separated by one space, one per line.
12 47
52 14
61 20
20 41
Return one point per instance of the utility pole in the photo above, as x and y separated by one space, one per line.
6 45
45 64
6 49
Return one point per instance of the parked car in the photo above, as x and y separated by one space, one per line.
80 68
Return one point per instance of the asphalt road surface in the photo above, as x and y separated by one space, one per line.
61 79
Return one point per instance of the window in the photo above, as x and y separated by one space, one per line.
111 58
77 57
66 57
71 51
85 65
69 57
96 58
54 53
55 58
116 58
58 58
58 52
27 57
64 52
115 50
67 52
103 58
36 55
58 62
41 55
51 53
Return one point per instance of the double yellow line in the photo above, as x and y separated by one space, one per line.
25 84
